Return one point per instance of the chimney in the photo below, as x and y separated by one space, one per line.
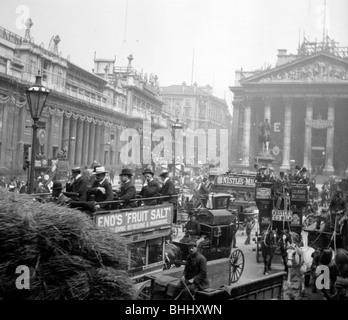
282 57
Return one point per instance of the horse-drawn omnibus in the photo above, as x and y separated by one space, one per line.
242 189
279 213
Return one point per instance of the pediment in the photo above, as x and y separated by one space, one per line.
316 68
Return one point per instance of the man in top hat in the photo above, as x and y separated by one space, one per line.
101 188
77 184
150 189
57 196
194 277
168 189
128 190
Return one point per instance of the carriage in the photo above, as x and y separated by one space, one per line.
218 227
285 212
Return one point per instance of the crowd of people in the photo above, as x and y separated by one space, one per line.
97 189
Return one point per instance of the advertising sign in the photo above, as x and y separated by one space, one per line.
235 180
263 193
299 193
137 219
281 215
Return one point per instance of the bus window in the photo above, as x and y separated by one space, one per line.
155 250
138 254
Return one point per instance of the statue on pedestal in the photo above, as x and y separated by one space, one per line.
265 136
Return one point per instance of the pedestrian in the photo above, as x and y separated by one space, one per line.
101 188
151 188
77 184
194 277
128 191
248 227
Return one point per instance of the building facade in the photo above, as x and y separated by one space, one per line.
197 108
84 114
305 98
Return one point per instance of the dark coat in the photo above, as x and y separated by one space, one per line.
193 227
98 195
127 193
79 186
151 190
168 189
196 268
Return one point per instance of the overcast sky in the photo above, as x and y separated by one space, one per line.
225 35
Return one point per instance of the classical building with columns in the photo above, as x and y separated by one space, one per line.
85 112
305 98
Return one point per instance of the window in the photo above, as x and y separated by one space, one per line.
155 250
187 102
138 255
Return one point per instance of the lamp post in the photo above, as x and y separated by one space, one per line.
175 126
36 98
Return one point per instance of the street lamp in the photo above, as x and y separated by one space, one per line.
36 98
175 126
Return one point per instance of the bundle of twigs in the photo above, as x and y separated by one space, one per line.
67 255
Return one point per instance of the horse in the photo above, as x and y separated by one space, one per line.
172 256
286 239
264 139
268 245
299 261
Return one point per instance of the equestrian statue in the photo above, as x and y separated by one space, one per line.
265 136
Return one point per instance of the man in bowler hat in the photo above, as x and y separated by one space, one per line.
150 189
77 184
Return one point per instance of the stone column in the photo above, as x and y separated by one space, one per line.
246 132
102 145
287 134
307 160
72 144
50 132
97 143
235 128
21 131
4 135
66 143
91 143
329 169
85 144
267 114
79 142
